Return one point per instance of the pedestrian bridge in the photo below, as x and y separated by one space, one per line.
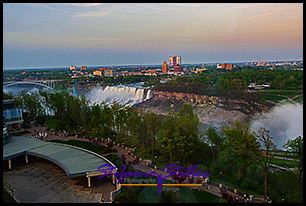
75 161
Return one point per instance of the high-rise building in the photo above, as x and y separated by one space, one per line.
178 60
165 67
72 67
174 61
171 61
83 67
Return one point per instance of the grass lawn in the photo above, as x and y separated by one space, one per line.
272 98
52 122
289 93
283 163
298 99
85 145
288 156
287 102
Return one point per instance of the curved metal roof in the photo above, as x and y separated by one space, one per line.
73 160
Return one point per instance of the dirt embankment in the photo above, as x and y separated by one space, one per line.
213 110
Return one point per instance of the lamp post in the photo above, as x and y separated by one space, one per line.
221 177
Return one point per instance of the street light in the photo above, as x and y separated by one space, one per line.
221 177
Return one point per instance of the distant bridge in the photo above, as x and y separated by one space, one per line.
50 84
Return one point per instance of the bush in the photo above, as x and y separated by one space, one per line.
247 183
222 200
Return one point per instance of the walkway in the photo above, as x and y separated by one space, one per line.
212 189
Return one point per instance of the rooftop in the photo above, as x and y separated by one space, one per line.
73 160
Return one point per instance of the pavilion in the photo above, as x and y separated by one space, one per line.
75 161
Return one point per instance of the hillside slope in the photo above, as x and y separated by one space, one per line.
213 110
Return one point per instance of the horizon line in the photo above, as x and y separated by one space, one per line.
146 64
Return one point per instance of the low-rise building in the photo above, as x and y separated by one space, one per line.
110 73
97 73
12 115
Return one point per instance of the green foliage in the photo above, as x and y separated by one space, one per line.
295 147
220 82
180 134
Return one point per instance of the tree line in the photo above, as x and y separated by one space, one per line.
219 82
236 153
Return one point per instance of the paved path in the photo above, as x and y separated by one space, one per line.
208 188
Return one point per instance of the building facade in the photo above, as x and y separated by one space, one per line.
97 73
72 67
83 68
109 73
12 116
226 66
165 67
178 68
174 61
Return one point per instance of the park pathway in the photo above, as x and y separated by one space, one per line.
206 187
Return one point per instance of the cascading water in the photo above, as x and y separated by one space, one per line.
122 94
284 122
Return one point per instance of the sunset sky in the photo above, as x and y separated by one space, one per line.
46 35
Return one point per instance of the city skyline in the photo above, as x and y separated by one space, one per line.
46 35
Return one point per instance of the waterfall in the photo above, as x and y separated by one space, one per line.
149 95
122 94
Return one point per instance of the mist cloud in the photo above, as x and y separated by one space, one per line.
284 122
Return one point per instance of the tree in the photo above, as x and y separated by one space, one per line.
120 116
139 128
295 146
239 145
216 141
167 134
187 128
153 122
265 155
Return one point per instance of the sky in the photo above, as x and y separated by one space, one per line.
109 34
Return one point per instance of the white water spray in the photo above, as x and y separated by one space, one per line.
123 95
284 122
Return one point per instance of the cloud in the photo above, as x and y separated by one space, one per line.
110 39
86 4
260 15
91 14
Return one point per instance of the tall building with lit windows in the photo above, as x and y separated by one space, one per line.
174 61
165 67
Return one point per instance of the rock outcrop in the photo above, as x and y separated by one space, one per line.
213 110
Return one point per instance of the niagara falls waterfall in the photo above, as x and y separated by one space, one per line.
121 94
